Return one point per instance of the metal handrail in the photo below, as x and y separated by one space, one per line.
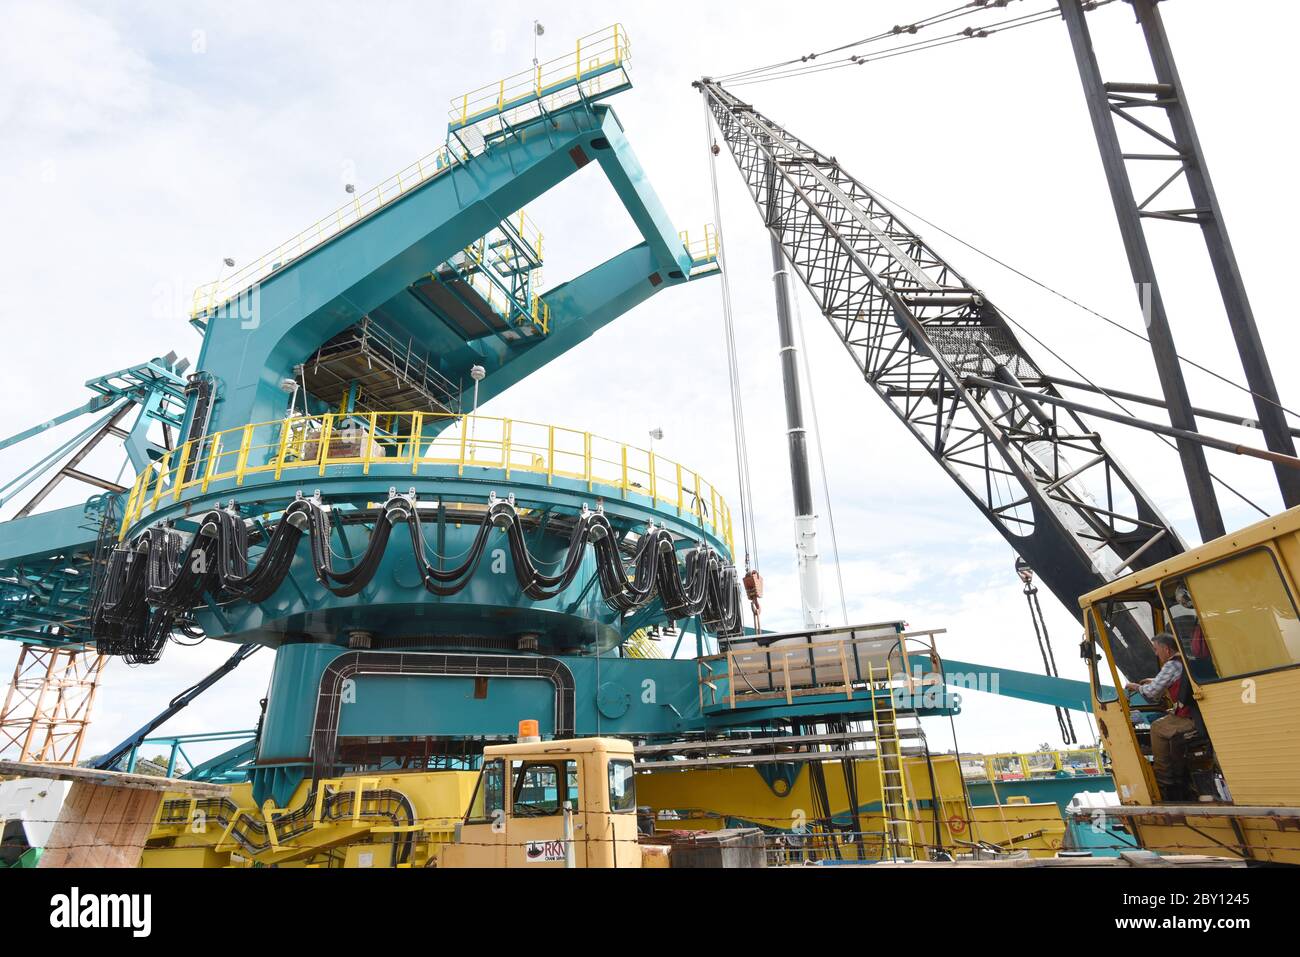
1028 770
411 440
704 247
213 294
492 266
545 83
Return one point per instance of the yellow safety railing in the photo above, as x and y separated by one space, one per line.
217 292
1029 765
495 255
704 247
540 313
594 66
306 446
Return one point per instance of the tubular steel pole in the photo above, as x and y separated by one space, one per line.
1196 470
1032 398
805 520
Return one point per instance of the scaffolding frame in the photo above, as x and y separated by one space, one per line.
48 706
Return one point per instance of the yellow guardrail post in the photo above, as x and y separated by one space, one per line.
241 460
586 457
577 75
326 433
180 471
214 453
417 433
505 446
370 444
680 490
163 463
286 429
654 480
464 433
550 455
622 484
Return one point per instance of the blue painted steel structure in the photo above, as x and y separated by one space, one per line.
47 557
446 262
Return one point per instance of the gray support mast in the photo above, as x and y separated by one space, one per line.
805 518
1195 468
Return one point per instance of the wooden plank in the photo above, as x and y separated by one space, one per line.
31 769
135 829
85 838
75 806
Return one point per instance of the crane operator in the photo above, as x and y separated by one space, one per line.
1167 750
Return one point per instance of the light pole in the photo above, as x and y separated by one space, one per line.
477 373
226 263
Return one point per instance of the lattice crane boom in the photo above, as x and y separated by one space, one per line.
919 332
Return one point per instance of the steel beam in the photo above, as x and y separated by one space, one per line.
1196 470
1241 318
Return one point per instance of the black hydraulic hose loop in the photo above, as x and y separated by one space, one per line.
153 581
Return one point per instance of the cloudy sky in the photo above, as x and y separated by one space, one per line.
143 143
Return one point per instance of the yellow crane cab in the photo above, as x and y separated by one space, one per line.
1231 606
569 803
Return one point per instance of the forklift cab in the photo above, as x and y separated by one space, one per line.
568 803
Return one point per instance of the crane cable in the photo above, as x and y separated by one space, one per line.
1064 723
969 33
748 530
911 28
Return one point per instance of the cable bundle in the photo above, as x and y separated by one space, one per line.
152 583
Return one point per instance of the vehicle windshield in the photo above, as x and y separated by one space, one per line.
622 788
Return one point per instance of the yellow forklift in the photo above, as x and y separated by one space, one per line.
541 803
1231 607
